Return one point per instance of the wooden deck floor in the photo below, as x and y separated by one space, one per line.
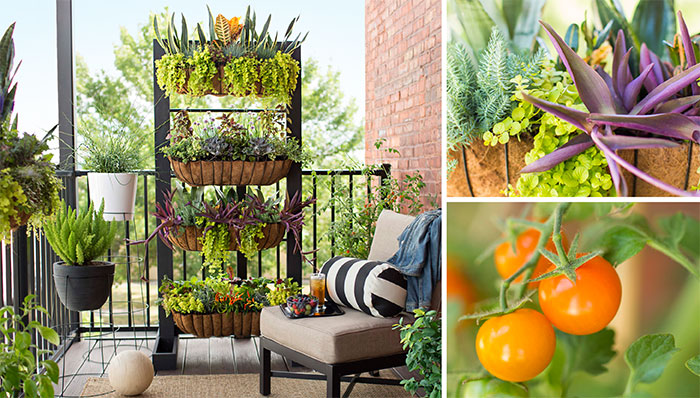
216 355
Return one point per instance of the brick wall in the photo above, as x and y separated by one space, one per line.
403 84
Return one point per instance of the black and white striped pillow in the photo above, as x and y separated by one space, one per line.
373 287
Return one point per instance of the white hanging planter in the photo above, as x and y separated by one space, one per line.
118 191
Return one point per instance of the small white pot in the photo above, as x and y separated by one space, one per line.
118 191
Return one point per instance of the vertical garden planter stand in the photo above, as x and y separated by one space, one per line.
165 353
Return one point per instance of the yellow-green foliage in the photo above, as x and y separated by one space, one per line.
278 76
203 71
11 198
170 72
79 237
241 76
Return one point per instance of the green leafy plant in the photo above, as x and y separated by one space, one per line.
352 230
28 184
113 145
423 340
80 237
282 289
20 370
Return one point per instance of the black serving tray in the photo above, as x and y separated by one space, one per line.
332 309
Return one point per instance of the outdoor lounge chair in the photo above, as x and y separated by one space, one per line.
349 344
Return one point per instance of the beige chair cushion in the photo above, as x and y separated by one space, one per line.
385 243
345 338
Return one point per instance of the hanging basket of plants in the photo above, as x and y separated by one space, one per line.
236 59
533 126
217 306
226 223
191 238
234 149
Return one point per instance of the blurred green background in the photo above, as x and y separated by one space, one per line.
658 296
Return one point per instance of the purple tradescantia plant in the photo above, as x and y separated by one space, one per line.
617 118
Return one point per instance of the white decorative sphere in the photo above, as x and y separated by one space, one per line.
130 372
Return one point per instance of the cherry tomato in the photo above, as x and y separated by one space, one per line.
491 388
459 288
517 346
587 306
508 262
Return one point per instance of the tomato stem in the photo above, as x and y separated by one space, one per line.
556 234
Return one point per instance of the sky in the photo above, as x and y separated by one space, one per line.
336 37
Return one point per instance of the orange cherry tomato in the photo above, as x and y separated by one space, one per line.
508 262
459 288
517 346
587 306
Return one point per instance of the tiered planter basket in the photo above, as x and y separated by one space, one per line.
237 172
189 238
489 169
229 324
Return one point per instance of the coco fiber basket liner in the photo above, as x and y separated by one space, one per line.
19 220
235 172
489 170
217 325
189 238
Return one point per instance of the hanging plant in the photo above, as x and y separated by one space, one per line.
236 59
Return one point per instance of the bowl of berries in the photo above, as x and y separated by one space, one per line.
299 306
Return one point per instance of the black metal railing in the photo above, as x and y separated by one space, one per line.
26 262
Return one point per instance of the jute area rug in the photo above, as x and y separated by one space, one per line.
238 385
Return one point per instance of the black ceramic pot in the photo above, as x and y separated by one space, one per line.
83 288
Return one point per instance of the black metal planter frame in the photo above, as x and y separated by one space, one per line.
165 353
332 373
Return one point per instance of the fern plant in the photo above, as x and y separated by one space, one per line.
79 237
479 96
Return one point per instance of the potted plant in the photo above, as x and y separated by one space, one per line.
235 59
423 339
216 306
79 238
506 112
226 223
112 152
28 184
247 149
20 372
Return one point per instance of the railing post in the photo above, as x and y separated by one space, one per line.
165 353
21 263
294 263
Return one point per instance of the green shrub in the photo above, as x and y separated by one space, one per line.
241 76
203 71
170 72
80 237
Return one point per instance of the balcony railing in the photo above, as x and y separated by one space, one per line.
26 262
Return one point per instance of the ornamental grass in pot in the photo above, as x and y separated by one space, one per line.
231 58
79 238
112 151
218 221
250 148
28 184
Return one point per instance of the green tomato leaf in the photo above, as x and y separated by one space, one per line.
648 356
51 370
620 243
693 364
45 387
30 387
589 353
675 227
690 240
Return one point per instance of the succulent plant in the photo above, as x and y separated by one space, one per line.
616 118
259 148
217 147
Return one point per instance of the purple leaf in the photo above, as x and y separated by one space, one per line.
666 90
619 182
667 124
572 148
611 155
591 88
573 116
677 105
646 58
688 48
608 82
617 142
621 75
632 90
